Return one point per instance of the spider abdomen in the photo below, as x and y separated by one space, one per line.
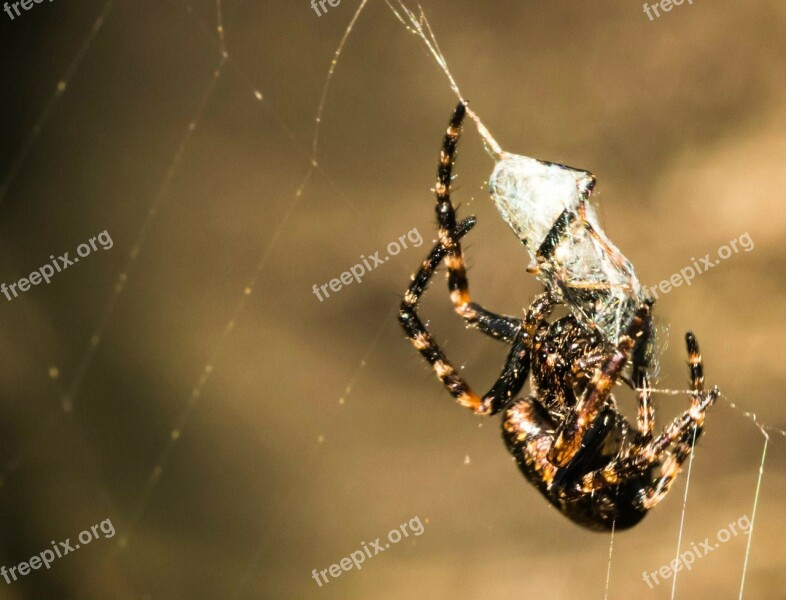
529 433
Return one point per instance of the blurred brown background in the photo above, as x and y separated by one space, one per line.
683 121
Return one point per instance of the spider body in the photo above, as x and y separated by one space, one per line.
568 438
563 358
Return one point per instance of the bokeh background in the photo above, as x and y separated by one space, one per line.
315 426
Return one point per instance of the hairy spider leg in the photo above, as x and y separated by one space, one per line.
684 430
690 424
645 419
516 368
500 327
695 363
574 427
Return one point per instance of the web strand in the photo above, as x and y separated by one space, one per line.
684 508
71 392
306 472
62 86
611 554
764 428
16 167
139 241
753 515
329 79
297 146
251 285
420 27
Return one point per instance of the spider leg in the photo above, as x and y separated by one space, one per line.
682 434
688 427
645 419
639 382
516 367
500 327
573 429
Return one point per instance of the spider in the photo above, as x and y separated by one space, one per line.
568 438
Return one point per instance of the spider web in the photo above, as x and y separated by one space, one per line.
70 393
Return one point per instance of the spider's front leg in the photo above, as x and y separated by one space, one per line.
508 329
500 327
516 369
